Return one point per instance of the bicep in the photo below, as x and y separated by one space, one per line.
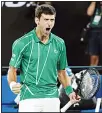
63 78
12 71
11 68
12 75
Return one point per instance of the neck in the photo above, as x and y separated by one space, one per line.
41 36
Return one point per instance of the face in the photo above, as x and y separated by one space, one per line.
46 23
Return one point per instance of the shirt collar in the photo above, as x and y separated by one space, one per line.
38 40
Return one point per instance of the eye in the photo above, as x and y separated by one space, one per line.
46 19
52 20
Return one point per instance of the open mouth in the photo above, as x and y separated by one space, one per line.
47 29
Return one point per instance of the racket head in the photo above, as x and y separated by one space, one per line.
88 83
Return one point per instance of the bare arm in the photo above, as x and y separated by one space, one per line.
63 78
66 82
91 9
12 80
11 74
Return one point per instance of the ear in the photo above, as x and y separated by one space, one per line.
37 20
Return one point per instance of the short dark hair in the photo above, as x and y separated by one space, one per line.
45 9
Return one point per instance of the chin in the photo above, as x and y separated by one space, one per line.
46 34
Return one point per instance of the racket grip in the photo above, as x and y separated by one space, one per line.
68 105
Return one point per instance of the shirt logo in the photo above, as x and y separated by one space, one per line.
55 51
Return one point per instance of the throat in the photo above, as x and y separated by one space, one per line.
44 39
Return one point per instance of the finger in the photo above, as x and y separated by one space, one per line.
78 97
16 91
73 99
73 96
77 101
16 86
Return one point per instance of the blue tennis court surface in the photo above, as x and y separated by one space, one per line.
91 110
9 108
7 96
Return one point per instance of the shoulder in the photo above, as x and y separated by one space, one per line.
24 40
57 39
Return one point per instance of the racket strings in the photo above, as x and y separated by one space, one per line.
89 84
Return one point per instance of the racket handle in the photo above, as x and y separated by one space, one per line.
68 105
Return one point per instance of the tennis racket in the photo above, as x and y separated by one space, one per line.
85 84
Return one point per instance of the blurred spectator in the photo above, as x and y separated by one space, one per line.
95 36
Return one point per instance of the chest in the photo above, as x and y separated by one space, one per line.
42 52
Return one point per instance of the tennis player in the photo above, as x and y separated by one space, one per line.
41 57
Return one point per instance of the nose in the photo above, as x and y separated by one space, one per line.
49 23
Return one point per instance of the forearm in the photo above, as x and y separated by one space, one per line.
65 81
91 9
63 78
11 75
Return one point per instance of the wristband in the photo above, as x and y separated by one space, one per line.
11 84
68 90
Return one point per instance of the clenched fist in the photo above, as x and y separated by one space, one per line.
15 87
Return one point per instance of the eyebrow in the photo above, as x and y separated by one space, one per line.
49 19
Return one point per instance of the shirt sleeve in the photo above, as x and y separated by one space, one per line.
62 62
17 49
